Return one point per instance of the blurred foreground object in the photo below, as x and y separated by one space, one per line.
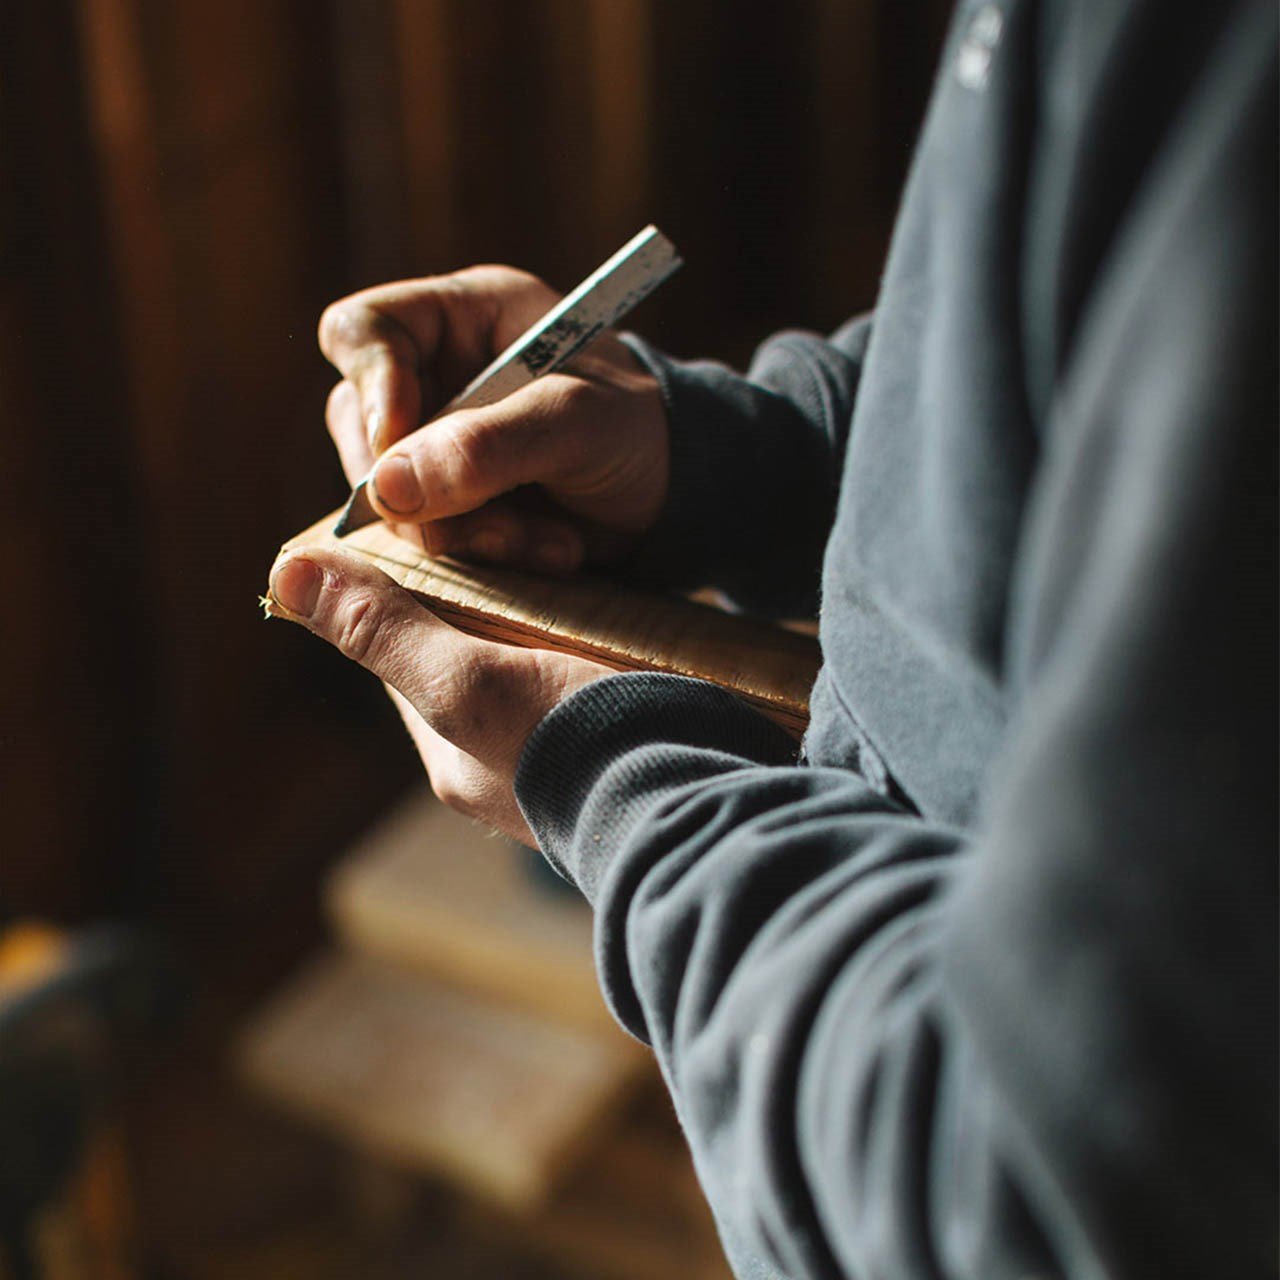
461 1036
72 1009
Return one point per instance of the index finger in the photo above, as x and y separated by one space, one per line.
382 360
405 346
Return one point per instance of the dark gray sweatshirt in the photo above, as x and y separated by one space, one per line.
984 982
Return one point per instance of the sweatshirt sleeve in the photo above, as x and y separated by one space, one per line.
755 468
1045 1046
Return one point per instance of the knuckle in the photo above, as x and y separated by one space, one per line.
568 396
487 678
471 703
459 285
361 632
487 275
346 326
342 399
497 285
474 445
327 329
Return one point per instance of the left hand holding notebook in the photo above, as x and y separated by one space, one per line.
469 704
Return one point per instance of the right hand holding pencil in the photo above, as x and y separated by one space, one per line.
572 468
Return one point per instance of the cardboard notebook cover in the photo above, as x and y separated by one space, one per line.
768 666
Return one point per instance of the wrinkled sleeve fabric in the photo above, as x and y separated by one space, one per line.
1044 1046
755 468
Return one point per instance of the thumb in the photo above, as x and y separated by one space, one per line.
540 434
377 623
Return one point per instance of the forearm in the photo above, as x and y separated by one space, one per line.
772 930
899 1048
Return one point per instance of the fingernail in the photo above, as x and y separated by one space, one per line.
488 544
396 484
554 555
296 584
375 427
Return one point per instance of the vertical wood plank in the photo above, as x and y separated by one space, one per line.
125 131
431 116
563 145
70 692
620 66
371 128
214 138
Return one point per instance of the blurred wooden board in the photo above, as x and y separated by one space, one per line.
497 1101
768 666
438 894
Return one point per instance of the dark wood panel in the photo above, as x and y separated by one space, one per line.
71 796
185 185
220 169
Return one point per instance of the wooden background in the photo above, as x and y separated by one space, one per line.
184 184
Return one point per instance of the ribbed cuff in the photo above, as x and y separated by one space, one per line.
611 752
705 449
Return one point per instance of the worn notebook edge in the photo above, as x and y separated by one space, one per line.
789 712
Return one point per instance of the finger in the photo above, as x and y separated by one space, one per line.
342 417
521 530
546 433
409 344
553 546
495 534
503 533
486 536
446 675
382 360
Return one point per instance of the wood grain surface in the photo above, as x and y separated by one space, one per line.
499 1102
436 894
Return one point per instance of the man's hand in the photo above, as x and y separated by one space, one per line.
573 467
469 704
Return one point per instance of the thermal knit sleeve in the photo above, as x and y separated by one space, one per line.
755 468
1044 1045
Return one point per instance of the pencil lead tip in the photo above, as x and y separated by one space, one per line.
357 513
